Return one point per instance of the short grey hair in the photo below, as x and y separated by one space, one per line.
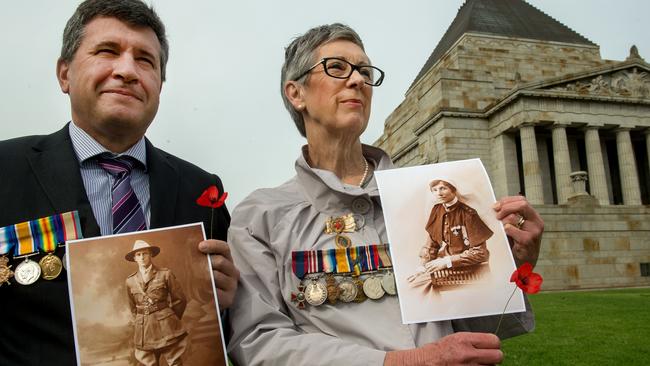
300 55
132 12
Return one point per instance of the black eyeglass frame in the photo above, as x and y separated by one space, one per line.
353 67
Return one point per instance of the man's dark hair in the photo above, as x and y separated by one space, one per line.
132 12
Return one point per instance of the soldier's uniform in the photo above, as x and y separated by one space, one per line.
459 232
157 306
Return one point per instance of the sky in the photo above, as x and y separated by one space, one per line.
221 108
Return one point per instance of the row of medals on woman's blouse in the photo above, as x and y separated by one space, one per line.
317 288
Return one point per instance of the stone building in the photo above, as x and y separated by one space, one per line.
551 120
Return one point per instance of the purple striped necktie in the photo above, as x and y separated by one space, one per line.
126 209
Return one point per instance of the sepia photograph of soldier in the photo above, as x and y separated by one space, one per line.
450 253
457 237
157 303
144 298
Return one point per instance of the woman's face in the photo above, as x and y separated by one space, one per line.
443 192
341 106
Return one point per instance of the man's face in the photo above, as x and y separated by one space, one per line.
443 192
142 258
114 81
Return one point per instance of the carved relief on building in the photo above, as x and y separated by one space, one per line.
626 83
478 41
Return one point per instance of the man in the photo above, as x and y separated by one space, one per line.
112 66
157 302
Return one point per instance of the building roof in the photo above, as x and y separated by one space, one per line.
509 18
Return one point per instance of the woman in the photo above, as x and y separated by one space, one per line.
293 243
457 235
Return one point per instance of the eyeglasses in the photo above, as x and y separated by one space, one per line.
341 69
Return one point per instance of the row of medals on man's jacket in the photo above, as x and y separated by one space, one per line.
28 271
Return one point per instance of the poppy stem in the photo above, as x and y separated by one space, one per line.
211 219
496 332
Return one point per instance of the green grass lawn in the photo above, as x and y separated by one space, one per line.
610 327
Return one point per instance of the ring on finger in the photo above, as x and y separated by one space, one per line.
520 222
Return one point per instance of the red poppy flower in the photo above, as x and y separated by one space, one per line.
210 197
527 280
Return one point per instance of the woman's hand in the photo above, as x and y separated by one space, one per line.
523 225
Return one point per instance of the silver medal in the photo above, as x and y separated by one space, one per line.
372 288
388 283
315 293
27 272
347 290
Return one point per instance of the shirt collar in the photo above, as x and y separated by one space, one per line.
453 202
326 191
146 270
86 147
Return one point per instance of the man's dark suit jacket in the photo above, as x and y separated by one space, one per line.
39 176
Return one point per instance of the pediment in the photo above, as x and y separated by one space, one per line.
631 80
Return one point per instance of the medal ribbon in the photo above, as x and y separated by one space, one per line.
340 260
44 233
7 240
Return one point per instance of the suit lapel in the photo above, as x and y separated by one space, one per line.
163 186
56 168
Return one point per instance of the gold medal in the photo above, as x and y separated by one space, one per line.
5 271
361 297
347 290
372 288
341 224
342 241
315 293
27 272
388 283
50 266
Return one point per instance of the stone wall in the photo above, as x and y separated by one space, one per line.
594 247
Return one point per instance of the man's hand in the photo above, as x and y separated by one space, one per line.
456 349
523 225
226 274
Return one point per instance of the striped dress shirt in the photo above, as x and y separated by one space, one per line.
98 182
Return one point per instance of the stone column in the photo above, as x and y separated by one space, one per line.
530 163
627 165
562 162
596 166
505 167
647 144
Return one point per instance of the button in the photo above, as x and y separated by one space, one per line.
360 205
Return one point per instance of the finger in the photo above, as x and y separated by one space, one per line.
484 340
509 199
223 265
214 246
524 209
505 207
519 235
224 298
511 219
488 356
224 282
